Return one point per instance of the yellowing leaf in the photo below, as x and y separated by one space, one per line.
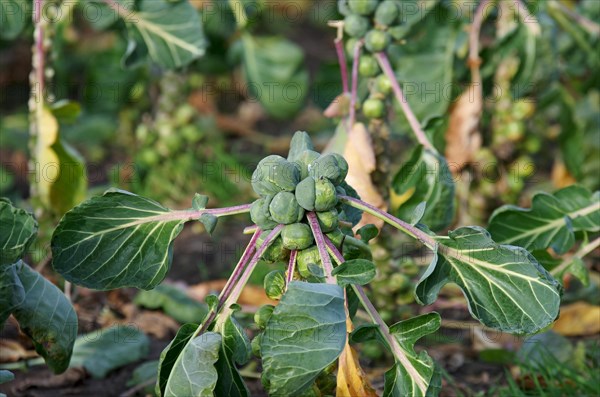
578 319
351 379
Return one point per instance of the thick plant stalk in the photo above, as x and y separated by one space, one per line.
581 252
392 220
353 94
376 318
291 268
410 116
321 246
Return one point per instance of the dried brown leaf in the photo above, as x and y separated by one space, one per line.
351 379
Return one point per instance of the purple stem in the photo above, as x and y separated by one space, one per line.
392 220
353 94
339 49
240 267
410 116
291 267
320 240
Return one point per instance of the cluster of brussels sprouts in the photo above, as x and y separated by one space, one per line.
377 23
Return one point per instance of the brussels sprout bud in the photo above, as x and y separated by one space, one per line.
255 345
331 166
285 209
262 315
274 174
368 66
300 143
383 84
325 195
397 32
386 12
274 284
304 159
306 257
355 249
377 40
328 220
305 194
350 46
275 252
337 237
260 215
297 236
355 25
373 108
363 7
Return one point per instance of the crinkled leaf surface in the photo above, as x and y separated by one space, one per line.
47 317
115 240
276 74
234 349
355 271
412 373
550 222
174 302
169 32
106 349
426 178
194 374
305 334
170 354
18 229
12 292
504 285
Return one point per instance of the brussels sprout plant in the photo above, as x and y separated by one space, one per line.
305 215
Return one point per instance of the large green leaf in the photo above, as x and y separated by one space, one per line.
504 285
12 292
47 317
305 334
426 178
169 32
550 222
174 302
170 354
194 374
355 271
17 231
115 240
104 350
275 73
412 372
234 349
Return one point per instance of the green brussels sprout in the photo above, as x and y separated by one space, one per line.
343 7
337 237
255 345
355 25
350 45
275 174
325 195
373 108
275 252
285 209
304 159
353 248
328 220
305 193
397 32
363 7
300 143
399 282
331 166
368 66
306 257
383 84
297 236
262 315
377 40
386 12
260 215
274 284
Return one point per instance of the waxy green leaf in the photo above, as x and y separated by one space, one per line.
504 285
194 373
126 241
170 33
174 302
6 376
47 317
12 292
412 373
550 222
18 229
426 178
355 271
305 334
170 354
234 349
107 349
